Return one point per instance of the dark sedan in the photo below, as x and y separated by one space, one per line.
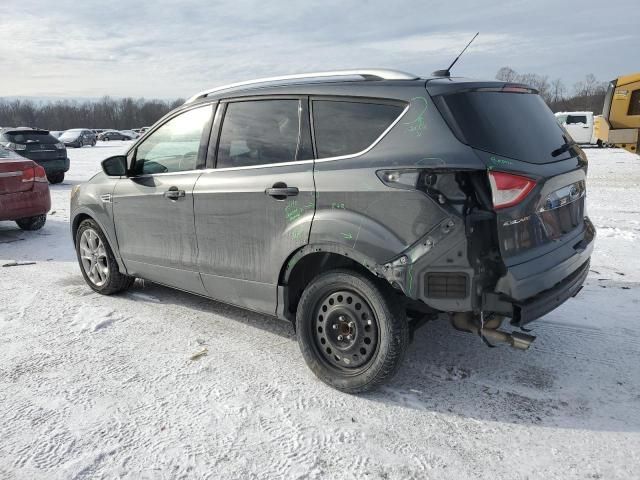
113 135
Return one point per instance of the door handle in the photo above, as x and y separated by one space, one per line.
280 191
173 193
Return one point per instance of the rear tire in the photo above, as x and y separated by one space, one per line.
56 177
97 262
32 223
352 331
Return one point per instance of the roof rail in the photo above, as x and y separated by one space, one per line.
366 74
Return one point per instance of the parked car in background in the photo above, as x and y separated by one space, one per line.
356 209
39 146
130 133
113 135
78 137
580 126
24 191
56 133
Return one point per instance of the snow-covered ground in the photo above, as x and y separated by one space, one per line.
105 387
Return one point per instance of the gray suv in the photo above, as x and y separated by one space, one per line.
355 204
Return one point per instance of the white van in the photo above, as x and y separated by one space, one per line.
579 125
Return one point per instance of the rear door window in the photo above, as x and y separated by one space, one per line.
349 127
259 132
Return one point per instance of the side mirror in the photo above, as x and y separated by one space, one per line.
115 166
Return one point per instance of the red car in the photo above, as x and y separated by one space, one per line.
24 191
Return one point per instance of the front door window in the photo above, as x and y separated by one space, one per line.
174 146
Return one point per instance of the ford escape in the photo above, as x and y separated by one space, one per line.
355 204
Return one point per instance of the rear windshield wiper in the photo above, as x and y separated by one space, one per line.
565 147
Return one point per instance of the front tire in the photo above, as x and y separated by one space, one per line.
97 262
352 331
32 223
56 177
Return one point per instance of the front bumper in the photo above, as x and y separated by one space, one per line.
25 204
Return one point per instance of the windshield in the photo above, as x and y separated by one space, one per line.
70 134
28 136
515 125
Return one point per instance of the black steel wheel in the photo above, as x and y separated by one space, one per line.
346 330
352 330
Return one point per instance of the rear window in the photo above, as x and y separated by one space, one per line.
71 134
576 120
514 125
29 136
345 128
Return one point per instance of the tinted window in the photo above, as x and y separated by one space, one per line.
634 103
174 146
576 119
514 125
345 128
26 136
259 132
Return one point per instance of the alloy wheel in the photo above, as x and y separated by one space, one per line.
93 255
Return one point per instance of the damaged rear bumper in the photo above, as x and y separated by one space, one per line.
532 289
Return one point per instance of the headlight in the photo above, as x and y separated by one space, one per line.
60 146
75 190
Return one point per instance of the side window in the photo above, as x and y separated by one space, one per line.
259 132
634 103
345 128
576 119
174 146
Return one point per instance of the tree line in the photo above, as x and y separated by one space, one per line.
126 113
587 94
119 114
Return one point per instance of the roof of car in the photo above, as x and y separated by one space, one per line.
362 75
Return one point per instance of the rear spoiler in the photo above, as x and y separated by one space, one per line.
437 86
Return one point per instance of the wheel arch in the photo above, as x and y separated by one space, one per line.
304 264
82 215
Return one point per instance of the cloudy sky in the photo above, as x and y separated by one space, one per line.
169 49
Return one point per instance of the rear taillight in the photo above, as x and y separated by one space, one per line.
34 174
508 189
28 175
39 174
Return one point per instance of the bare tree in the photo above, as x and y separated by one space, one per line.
507 74
588 93
558 90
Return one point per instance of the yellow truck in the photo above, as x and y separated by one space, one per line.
619 124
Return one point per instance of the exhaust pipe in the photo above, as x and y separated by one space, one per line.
467 322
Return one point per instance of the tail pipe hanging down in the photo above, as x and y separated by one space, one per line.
488 330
